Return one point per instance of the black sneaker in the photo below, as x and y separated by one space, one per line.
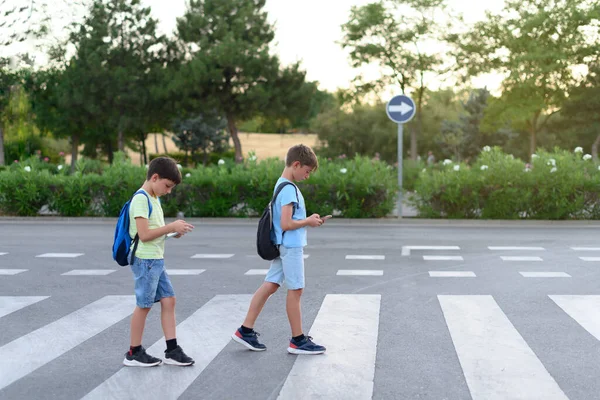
305 346
250 340
140 359
178 357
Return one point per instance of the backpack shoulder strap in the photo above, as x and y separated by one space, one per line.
280 188
147 198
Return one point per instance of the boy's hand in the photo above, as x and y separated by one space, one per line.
314 220
181 227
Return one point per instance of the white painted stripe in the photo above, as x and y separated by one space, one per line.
508 258
203 335
364 257
442 258
585 309
348 326
90 272
452 274
255 256
360 272
3 254
497 362
185 271
256 272
545 274
7 271
516 248
33 350
60 255
212 255
10 304
585 248
590 258
407 249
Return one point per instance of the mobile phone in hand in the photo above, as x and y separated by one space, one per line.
325 218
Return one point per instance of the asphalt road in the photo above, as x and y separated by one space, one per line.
485 310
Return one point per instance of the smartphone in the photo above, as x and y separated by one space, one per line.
326 217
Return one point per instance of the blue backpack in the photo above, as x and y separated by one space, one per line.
122 241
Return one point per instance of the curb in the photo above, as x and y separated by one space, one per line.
404 222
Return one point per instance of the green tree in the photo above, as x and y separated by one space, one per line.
535 44
580 114
393 34
107 94
205 132
231 69
464 137
364 130
299 118
7 79
438 106
134 58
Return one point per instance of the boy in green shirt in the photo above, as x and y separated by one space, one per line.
152 284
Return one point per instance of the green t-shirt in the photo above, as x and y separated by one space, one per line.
154 249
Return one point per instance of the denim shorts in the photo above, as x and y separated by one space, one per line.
288 268
151 282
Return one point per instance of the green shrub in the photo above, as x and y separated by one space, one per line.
23 191
76 195
557 185
359 188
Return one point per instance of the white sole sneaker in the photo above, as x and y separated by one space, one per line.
134 363
174 362
243 342
291 350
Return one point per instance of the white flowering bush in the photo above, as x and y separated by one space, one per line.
355 188
553 185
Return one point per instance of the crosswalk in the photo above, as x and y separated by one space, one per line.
367 265
425 252
495 360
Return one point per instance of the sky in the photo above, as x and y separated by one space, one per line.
309 31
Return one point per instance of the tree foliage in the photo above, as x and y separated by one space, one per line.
231 69
535 44
393 35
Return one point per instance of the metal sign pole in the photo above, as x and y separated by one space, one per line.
400 140
400 109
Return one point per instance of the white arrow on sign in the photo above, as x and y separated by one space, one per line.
403 108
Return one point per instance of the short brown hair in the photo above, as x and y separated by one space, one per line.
304 154
166 168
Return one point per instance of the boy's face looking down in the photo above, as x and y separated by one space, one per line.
161 186
301 172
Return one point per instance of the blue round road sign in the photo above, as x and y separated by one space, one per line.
401 109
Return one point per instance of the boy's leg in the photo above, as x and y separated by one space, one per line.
259 299
293 269
174 354
167 317
294 311
245 334
144 297
138 321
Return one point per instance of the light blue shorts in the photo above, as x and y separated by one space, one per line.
151 281
288 267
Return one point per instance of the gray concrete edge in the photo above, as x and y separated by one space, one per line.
407 222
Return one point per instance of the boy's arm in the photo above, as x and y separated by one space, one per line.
146 234
289 224
139 210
